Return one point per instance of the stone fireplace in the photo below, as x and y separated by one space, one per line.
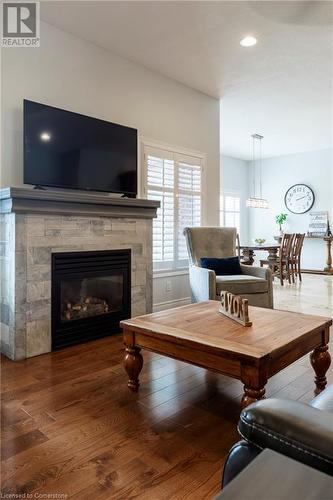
38 230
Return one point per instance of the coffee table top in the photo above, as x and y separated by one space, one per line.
272 331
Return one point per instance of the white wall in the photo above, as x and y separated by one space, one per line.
235 178
71 73
313 168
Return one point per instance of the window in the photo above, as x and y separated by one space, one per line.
230 210
175 180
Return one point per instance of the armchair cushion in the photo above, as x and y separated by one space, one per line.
222 267
241 284
259 272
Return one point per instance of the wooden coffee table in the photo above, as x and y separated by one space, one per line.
200 335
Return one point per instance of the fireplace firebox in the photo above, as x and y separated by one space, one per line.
91 293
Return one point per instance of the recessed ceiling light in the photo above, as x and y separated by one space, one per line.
45 136
248 41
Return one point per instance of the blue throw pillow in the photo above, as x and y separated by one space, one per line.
222 267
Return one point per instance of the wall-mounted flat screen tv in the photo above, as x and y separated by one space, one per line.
68 150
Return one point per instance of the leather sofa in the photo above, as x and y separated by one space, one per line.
300 431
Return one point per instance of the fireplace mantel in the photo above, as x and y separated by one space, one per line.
69 202
36 224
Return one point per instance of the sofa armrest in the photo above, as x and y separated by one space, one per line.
259 272
239 456
203 283
291 428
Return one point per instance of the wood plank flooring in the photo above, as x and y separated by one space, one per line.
71 427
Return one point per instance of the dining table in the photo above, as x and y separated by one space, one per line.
248 253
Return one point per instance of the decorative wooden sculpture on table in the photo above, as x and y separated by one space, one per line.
235 307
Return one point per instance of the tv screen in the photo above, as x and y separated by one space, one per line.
69 150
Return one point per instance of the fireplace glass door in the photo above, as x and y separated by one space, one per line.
86 297
91 294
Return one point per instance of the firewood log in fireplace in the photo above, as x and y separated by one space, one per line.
88 306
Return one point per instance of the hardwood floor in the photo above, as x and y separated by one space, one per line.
71 427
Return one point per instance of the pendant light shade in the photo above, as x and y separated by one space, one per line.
257 201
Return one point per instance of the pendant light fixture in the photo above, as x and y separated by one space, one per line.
257 201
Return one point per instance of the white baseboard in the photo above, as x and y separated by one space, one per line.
169 304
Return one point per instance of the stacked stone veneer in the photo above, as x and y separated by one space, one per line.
27 243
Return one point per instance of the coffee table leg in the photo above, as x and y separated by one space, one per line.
320 360
251 395
133 362
254 379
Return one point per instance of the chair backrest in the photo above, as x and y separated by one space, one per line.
218 242
297 245
286 245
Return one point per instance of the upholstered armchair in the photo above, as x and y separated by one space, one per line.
254 284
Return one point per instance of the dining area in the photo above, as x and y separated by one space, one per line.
283 257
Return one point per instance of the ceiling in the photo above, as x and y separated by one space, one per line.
281 88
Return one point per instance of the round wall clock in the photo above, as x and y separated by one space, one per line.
299 199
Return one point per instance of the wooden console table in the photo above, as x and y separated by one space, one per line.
329 269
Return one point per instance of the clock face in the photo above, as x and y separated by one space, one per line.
299 199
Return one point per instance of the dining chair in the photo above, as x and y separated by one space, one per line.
282 268
284 258
295 256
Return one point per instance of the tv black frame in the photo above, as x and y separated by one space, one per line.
129 194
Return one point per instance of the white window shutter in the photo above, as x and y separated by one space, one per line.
189 202
174 180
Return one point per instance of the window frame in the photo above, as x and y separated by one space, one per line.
179 155
233 194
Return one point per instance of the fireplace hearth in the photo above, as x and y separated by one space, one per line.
90 295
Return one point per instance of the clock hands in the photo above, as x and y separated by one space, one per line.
301 198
